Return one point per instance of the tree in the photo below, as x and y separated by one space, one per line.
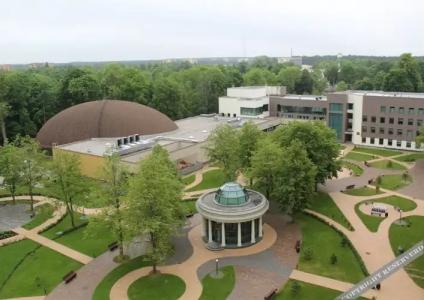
33 165
66 180
342 86
154 204
397 81
295 288
288 77
11 165
420 138
4 112
410 66
113 191
249 136
167 97
296 180
364 84
319 141
266 166
257 76
223 148
347 72
331 72
305 84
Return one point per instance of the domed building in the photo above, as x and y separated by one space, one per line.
103 119
232 216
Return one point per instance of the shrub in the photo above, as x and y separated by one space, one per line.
295 288
344 242
308 254
389 164
333 259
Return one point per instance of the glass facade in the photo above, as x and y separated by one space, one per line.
302 110
335 120
231 194
251 111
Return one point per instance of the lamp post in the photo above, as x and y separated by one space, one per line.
400 215
216 266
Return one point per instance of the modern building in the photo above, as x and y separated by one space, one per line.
92 129
232 216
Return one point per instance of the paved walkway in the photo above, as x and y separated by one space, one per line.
75 255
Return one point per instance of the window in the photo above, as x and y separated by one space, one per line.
381 131
390 131
336 107
250 111
399 132
350 106
401 110
380 141
382 120
408 144
392 109
390 142
411 111
373 119
372 141
382 109
400 121
391 120
409 134
419 122
410 121
364 128
372 129
364 119
364 140
421 111
398 144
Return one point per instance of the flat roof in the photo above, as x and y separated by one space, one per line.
383 94
191 130
304 97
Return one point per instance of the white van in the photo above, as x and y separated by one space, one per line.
378 210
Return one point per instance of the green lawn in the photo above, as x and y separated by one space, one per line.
387 164
211 179
406 237
188 179
377 151
410 157
323 241
325 205
307 292
63 225
397 201
371 222
358 156
190 206
44 268
394 182
103 289
363 191
158 287
357 170
42 214
220 288
90 242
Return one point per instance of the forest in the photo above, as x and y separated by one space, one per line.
29 97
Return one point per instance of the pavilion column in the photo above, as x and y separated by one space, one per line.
210 231
260 226
239 234
253 240
204 231
223 234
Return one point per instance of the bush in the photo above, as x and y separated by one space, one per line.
295 288
333 259
389 164
344 242
308 254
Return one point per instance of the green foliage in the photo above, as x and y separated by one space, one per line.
249 136
157 286
420 138
305 84
257 76
288 77
333 259
295 288
394 182
219 288
342 86
11 167
154 204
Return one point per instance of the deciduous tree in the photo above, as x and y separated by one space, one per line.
11 166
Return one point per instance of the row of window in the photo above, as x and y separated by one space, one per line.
390 131
303 117
400 121
402 110
389 142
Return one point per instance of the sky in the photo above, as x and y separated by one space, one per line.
109 30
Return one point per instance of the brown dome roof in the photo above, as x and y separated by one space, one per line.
104 118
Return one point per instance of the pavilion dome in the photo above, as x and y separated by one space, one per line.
103 119
231 193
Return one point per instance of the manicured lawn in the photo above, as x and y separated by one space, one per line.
220 288
157 286
91 243
322 241
42 214
373 222
358 156
325 205
307 292
387 164
189 179
394 182
377 151
211 179
363 191
63 225
411 157
357 170
44 268
190 206
103 289
407 237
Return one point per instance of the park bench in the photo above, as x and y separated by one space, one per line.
270 295
349 187
69 277
297 246
113 246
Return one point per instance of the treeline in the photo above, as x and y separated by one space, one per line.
28 98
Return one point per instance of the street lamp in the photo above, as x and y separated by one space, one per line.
216 266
